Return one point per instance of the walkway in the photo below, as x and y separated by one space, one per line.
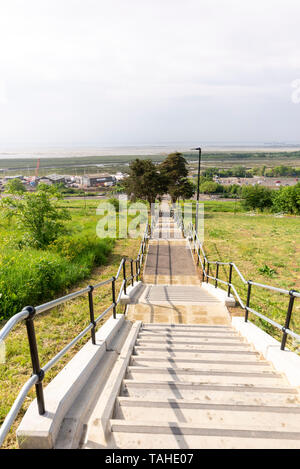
172 292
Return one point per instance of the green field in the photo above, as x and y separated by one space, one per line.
266 249
115 163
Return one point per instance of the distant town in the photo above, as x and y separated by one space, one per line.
86 181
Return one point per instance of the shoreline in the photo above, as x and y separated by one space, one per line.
94 152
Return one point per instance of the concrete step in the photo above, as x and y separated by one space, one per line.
175 441
179 293
216 377
191 348
225 394
221 416
191 345
127 434
191 341
225 365
185 328
210 354
145 334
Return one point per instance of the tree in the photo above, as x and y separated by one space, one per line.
15 186
210 187
257 197
38 214
144 181
174 169
287 200
185 189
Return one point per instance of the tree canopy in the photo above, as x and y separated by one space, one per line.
144 181
175 169
38 214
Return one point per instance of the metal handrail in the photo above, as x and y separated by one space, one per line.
28 314
192 235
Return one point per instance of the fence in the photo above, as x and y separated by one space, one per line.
202 260
29 313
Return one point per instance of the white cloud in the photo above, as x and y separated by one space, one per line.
96 70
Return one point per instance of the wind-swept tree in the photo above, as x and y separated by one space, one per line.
184 189
175 170
145 181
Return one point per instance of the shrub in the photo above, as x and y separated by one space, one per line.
31 276
257 197
38 214
287 200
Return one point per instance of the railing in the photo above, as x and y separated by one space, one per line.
29 312
202 259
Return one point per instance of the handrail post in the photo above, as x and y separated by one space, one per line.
124 274
137 268
131 271
288 319
203 270
229 280
113 287
207 272
248 300
217 275
92 316
35 359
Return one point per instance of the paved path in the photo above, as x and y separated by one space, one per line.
172 292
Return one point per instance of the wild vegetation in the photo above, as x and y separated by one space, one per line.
266 248
243 172
45 248
59 326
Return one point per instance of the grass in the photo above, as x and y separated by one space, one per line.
31 276
266 249
79 259
56 329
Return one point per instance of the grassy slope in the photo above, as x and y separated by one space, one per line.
31 276
252 241
55 330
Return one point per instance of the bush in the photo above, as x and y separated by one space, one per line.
287 200
257 197
38 214
210 187
31 276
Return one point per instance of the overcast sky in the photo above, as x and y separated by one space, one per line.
86 72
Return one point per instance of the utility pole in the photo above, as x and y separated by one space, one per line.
198 187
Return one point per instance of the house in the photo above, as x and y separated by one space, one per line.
57 178
98 180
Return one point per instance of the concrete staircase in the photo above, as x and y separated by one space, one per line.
192 386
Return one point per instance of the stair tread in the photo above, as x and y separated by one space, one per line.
171 441
152 426
149 361
192 404
193 349
189 370
191 344
235 388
